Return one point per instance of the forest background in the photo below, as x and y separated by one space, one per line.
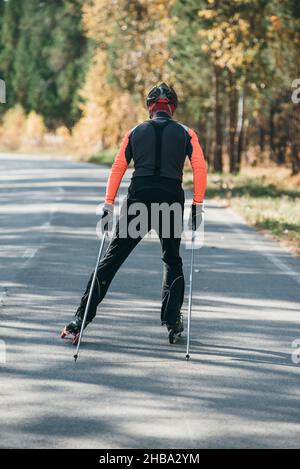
76 74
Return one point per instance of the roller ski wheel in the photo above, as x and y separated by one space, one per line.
65 334
72 330
175 331
173 336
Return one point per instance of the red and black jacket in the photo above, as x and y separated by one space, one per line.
159 147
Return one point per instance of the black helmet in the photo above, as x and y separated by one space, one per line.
162 91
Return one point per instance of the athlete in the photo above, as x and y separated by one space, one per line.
158 149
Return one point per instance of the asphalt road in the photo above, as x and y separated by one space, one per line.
130 388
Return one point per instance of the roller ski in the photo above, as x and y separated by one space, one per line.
176 330
72 330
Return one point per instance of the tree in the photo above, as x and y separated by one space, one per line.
42 58
130 55
10 13
247 49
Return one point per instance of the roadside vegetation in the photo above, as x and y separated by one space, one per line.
103 156
268 199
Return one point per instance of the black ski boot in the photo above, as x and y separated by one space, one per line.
175 330
72 330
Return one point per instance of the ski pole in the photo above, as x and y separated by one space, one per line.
187 356
90 295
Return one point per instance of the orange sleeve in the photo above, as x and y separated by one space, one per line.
199 168
117 172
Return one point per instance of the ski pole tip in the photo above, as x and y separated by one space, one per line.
187 356
75 357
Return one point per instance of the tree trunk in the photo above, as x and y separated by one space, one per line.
208 142
272 131
218 155
295 159
295 140
240 128
262 132
233 99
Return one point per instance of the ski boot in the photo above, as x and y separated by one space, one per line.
72 330
175 330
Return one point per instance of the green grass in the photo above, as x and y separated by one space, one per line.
103 157
268 202
229 186
280 216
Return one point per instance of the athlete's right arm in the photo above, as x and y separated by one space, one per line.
118 169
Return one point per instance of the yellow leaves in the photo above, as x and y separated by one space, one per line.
276 22
35 128
18 129
98 19
227 41
63 134
139 32
231 37
106 115
13 126
243 25
207 14
202 33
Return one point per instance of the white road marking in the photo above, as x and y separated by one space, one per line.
28 255
31 252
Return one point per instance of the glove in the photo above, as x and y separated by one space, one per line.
106 217
195 218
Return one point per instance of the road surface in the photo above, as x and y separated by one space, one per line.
130 388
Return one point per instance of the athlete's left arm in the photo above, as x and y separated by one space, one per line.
198 164
118 169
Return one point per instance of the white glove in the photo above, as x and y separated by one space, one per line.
106 217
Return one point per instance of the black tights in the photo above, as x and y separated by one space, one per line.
120 248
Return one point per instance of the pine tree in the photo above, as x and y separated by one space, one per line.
43 57
10 13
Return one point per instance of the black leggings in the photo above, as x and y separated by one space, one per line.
120 248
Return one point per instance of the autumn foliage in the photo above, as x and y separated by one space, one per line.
86 65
